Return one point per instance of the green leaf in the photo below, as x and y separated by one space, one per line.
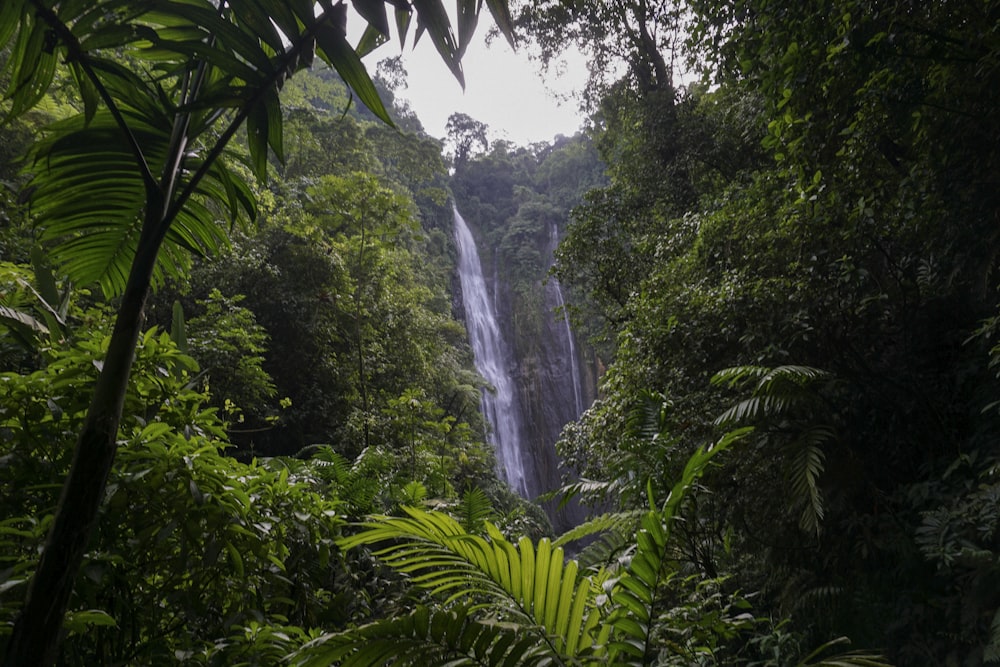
432 17
525 583
500 9
373 11
338 52
258 131
178 332
81 621
468 17
370 40
15 318
32 64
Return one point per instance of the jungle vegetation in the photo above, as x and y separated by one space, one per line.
239 420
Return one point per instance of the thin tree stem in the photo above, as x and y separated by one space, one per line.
35 637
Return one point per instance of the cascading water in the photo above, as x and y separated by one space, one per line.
569 342
499 406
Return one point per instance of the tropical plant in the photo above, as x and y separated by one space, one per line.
524 604
191 542
124 189
33 307
791 416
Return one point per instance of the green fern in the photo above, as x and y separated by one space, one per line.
648 419
524 604
614 521
530 585
850 659
425 637
588 488
805 465
413 493
775 391
474 510
637 594
784 398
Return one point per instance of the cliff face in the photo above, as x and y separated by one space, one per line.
517 201
553 383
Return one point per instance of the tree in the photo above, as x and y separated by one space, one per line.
364 217
193 546
130 184
465 133
854 232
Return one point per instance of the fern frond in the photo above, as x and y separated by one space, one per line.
776 391
851 659
755 408
607 553
790 374
530 585
424 637
474 509
804 469
332 465
413 492
588 488
649 418
738 376
617 521
638 589
813 598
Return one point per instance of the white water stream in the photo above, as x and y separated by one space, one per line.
499 406
570 342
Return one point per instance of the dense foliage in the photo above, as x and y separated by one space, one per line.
824 197
778 233
143 164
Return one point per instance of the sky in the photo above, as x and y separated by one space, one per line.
504 89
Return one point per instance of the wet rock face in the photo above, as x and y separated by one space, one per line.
537 358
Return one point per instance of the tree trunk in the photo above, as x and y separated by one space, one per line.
35 638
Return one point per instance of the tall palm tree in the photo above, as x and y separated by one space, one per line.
124 190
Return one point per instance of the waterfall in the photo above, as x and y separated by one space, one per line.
498 406
574 363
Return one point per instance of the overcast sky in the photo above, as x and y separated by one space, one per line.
504 90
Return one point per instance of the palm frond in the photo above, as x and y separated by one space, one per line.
790 374
775 391
432 18
738 376
31 63
588 488
530 585
849 659
424 637
195 73
474 509
784 396
648 419
805 466
754 409
332 464
637 591
599 524
763 377
609 552
89 201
